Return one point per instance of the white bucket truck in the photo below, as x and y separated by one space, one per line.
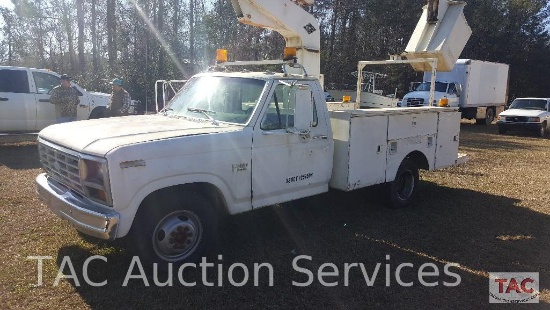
231 142
478 88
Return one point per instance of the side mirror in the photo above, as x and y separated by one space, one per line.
458 89
303 113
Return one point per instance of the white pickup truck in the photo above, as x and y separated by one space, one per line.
25 101
531 114
229 143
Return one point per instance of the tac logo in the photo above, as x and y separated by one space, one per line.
514 287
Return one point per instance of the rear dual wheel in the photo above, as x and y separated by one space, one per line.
489 117
402 189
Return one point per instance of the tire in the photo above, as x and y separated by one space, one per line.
502 130
542 130
402 189
489 117
173 228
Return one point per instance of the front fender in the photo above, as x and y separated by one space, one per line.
128 213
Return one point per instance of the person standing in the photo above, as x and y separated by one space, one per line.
120 99
65 99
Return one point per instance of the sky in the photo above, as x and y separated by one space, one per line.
6 4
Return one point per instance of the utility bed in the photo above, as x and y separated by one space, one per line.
363 156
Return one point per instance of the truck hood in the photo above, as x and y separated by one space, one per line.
523 112
99 136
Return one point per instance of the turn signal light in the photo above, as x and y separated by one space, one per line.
346 98
443 102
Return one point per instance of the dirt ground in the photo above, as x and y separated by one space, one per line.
489 215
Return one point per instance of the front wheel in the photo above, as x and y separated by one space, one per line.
542 130
174 228
403 188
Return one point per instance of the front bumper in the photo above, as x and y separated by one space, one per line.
519 125
85 215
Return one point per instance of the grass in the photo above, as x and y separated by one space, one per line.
491 214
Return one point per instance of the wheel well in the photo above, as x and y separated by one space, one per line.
419 160
206 190
97 112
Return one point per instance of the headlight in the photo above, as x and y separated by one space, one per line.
534 119
94 179
501 118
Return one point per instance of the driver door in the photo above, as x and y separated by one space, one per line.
287 165
45 110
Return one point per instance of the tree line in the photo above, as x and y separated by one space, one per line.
142 41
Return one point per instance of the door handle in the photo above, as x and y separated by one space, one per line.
274 133
324 137
3 99
43 100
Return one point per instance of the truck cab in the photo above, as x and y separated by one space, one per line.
420 95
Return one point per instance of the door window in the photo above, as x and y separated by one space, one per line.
452 89
14 81
44 82
280 113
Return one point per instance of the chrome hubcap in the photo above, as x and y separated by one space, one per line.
177 235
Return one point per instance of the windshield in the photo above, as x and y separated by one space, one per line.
439 87
215 98
529 104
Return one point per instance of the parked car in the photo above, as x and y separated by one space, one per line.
527 114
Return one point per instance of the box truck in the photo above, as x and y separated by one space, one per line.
478 88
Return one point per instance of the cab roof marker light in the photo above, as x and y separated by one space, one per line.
289 54
221 55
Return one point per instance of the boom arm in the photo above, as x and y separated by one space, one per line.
299 28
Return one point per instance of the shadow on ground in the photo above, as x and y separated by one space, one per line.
343 228
20 156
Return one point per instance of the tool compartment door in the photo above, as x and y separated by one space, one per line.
447 139
360 148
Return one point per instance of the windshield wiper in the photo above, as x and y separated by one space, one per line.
205 112
164 111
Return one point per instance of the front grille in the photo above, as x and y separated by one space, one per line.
415 102
516 119
60 164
